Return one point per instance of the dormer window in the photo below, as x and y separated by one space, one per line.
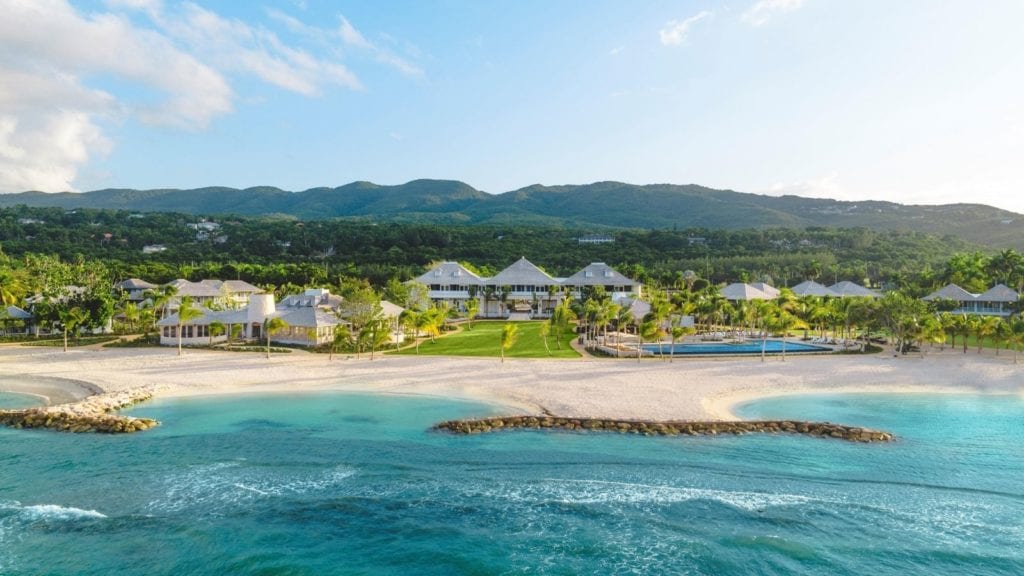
589 273
608 274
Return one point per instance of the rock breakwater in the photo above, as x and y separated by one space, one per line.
666 428
92 414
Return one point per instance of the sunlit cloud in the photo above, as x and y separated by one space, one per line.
761 12
676 32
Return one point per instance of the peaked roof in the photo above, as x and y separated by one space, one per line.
207 316
999 293
638 309
597 274
767 288
233 286
811 288
847 289
448 272
14 313
740 291
391 310
306 317
325 299
951 292
194 289
135 284
522 272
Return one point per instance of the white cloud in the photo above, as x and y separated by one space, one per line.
825 187
616 51
176 59
234 46
350 35
346 35
763 11
353 37
675 31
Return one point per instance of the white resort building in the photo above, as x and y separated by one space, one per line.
311 318
522 288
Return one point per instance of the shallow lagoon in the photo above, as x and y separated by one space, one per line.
343 484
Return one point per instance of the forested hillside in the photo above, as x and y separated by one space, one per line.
277 250
600 205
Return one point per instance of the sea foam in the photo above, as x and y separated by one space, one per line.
571 491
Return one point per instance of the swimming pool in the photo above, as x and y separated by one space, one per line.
748 347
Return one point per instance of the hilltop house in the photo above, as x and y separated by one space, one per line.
522 287
997 301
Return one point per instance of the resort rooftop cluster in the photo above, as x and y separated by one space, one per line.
597 297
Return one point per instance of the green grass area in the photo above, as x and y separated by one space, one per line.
972 343
485 340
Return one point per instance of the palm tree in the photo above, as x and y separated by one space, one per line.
543 331
677 331
1016 335
962 325
378 334
509 334
161 298
562 317
622 319
472 309
985 327
784 322
131 314
70 320
186 313
271 325
342 336
216 328
648 330
930 330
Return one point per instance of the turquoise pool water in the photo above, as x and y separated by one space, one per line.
342 484
748 347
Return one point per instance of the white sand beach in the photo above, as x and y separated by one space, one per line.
653 389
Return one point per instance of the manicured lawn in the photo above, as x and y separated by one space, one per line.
485 340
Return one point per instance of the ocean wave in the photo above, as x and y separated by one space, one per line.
224 485
569 491
50 512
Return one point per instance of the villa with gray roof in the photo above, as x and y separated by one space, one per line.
1000 300
521 288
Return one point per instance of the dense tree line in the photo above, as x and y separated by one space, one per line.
286 251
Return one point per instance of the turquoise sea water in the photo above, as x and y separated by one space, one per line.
11 400
342 484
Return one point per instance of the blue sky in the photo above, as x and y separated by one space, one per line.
910 101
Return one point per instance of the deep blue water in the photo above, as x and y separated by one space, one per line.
341 484
748 347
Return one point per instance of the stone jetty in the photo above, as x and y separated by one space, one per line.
92 414
666 428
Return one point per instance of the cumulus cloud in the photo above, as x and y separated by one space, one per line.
173 64
235 46
675 32
763 11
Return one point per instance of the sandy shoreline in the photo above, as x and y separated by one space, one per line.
693 389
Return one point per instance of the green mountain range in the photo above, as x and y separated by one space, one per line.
589 206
